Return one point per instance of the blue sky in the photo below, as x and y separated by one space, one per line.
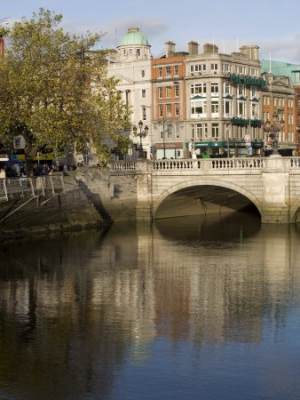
273 26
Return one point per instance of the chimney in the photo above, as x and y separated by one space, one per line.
170 49
193 48
210 48
252 52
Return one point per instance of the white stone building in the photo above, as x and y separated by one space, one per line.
131 64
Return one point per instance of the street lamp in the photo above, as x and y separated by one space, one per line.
273 132
141 134
227 136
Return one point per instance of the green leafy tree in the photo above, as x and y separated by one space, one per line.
54 89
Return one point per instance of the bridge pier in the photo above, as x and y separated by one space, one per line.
144 193
275 181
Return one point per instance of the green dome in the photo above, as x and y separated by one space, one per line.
133 38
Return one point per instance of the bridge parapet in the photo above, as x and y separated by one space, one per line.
212 164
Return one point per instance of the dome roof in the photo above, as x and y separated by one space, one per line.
133 38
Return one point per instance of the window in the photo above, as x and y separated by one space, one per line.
168 92
227 88
143 73
176 90
144 113
227 107
214 106
253 91
159 72
177 131
143 93
197 68
214 88
138 52
176 70
169 110
226 67
199 107
241 108
266 100
168 71
169 130
254 110
215 130
266 116
198 88
241 90
214 67
160 110
160 92
177 109
198 130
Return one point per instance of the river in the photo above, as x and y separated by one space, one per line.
187 308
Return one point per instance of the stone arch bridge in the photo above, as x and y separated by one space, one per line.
271 184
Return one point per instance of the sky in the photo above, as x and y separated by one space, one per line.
229 24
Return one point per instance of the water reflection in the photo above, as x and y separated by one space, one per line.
147 312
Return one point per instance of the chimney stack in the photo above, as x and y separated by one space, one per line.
193 48
170 49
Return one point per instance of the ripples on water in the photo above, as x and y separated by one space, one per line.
187 308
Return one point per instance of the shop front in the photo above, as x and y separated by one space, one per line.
169 150
228 148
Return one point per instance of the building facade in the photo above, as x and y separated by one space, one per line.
131 65
204 103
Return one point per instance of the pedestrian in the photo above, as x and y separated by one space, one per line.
2 173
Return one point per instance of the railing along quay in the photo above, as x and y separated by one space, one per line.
31 187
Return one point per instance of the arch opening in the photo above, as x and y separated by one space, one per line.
204 200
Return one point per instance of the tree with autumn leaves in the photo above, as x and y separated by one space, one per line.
54 90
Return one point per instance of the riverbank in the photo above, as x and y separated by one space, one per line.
66 212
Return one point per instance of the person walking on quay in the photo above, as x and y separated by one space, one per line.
2 173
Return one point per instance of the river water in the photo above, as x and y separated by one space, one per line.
188 308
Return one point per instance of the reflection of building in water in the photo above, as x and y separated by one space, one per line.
112 297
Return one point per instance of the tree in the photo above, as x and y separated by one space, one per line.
54 89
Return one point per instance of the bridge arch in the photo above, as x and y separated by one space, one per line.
295 212
215 182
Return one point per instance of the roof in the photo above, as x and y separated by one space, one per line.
281 68
133 37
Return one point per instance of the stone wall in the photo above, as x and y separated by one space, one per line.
69 211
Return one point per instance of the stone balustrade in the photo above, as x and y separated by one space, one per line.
257 163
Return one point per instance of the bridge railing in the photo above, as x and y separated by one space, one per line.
190 164
241 163
209 164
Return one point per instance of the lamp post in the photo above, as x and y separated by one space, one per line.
227 139
141 134
273 132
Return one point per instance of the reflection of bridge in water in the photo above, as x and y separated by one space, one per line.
271 184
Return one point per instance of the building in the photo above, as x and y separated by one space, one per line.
209 101
198 103
279 113
169 104
131 65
